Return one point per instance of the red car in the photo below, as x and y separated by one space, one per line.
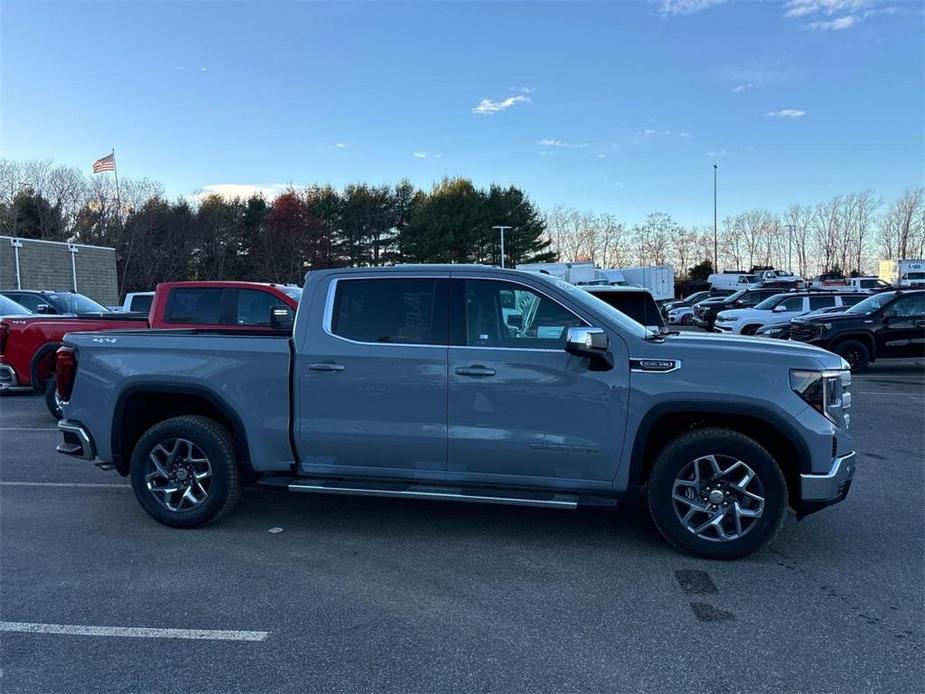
28 344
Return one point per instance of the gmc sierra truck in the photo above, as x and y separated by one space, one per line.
28 344
467 383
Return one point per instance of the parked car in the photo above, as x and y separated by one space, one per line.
685 303
781 331
884 325
867 285
635 302
733 280
408 382
706 311
135 302
28 344
779 309
8 307
54 303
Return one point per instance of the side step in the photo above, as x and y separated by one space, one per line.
432 492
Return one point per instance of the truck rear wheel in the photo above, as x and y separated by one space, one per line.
855 352
184 472
717 493
52 402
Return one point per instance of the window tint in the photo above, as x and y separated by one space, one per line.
640 306
141 303
503 314
793 304
394 311
30 301
852 299
8 307
195 305
816 302
253 307
909 305
867 284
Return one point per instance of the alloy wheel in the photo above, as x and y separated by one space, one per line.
178 474
718 498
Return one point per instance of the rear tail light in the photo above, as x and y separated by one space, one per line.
4 336
65 371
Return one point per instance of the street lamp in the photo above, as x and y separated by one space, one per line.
789 248
501 228
715 237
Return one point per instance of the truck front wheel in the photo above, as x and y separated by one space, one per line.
717 493
184 472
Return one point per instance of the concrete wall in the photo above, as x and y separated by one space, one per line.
47 265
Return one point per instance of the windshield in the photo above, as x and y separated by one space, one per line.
877 301
8 307
916 276
592 303
75 303
752 279
293 292
732 297
770 302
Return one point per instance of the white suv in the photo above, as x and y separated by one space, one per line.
780 308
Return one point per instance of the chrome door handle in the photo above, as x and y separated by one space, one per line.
475 370
326 366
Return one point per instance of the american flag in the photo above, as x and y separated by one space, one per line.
107 163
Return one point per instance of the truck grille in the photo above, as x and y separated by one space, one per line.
802 331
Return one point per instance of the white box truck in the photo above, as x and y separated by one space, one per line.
903 273
658 279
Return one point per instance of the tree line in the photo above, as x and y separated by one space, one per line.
846 234
210 237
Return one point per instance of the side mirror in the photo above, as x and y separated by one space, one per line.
280 318
515 320
45 309
780 308
591 344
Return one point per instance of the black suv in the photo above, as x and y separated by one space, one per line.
705 312
888 324
53 303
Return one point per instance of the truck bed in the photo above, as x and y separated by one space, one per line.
246 370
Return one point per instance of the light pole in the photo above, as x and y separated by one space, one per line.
501 228
789 248
715 237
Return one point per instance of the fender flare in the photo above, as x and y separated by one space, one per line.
42 353
238 433
646 429
867 338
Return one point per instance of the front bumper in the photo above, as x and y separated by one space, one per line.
819 491
9 380
77 440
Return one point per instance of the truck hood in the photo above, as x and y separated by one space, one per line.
755 350
737 312
832 318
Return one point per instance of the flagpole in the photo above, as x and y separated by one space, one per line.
115 171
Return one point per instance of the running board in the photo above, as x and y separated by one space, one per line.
562 501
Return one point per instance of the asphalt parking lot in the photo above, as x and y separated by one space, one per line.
359 593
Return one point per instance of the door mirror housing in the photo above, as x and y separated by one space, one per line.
280 318
515 320
780 308
591 344
45 310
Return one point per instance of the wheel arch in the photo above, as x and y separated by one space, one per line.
45 355
142 405
865 338
664 423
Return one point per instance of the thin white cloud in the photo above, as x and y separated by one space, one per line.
786 113
719 153
684 133
648 132
341 145
739 88
422 154
242 190
551 142
523 90
490 107
203 69
794 9
547 153
601 156
669 8
838 24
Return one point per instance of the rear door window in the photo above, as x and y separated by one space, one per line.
792 305
253 307
817 302
141 303
401 310
195 306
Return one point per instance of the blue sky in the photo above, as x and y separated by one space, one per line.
611 107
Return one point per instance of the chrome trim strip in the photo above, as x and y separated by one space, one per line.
433 495
825 486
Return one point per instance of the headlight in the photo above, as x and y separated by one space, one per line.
772 330
824 326
824 391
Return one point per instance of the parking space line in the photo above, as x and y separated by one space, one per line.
92 485
133 632
2 429
884 392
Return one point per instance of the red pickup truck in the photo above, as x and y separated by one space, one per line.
28 344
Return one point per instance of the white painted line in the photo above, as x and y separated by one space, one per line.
133 632
883 392
29 429
91 485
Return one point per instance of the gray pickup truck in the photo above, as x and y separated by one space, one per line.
467 383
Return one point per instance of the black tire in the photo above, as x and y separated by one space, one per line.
687 319
224 482
51 398
855 352
726 444
750 329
